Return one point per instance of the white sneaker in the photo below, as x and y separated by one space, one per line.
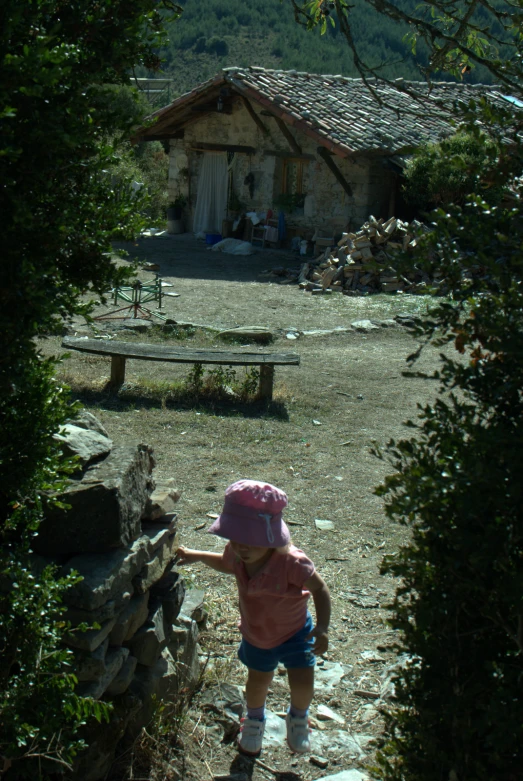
251 736
298 733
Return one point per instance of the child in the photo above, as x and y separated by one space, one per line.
274 581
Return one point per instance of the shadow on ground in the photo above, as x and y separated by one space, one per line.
185 257
128 399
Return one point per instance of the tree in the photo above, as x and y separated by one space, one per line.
456 482
59 61
447 172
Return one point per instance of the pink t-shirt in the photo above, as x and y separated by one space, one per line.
273 603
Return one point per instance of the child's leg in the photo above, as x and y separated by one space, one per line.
257 687
253 727
301 683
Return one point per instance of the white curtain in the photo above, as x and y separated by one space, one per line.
211 199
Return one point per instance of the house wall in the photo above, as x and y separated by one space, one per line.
329 209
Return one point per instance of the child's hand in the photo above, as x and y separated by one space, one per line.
186 555
321 645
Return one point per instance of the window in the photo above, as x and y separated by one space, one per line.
289 188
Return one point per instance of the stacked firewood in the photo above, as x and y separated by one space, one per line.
364 262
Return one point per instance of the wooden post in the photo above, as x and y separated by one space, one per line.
117 370
266 381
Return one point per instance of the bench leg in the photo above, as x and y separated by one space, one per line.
266 381
117 370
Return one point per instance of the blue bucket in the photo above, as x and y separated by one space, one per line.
212 238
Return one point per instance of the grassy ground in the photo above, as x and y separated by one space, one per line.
314 441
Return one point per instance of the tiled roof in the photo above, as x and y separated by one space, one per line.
340 112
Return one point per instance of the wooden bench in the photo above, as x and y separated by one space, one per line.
119 351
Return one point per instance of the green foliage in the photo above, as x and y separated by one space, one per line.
456 481
288 202
40 714
222 381
267 35
457 485
64 111
451 170
194 379
179 202
147 164
451 39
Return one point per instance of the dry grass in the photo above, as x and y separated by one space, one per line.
314 441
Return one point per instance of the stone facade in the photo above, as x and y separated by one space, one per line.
120 535
328 209
353 137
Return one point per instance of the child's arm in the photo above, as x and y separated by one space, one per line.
214 560
322 604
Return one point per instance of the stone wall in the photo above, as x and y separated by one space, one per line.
120 535
330 209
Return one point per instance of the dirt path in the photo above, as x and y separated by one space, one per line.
314 443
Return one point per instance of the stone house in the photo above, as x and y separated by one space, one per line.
322 149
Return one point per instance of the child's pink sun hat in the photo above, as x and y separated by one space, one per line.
252 515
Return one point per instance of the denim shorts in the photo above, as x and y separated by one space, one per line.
296 652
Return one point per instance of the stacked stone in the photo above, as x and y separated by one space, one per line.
120 535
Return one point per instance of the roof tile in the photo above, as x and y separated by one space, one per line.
345 109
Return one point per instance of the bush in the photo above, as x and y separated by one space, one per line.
457 485
64 111
447 172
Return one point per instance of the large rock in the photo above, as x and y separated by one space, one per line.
162 500
90 639
107 575
87 420
150 640
95 761
86 444
183 647
254 333
113 662
105 506
170 592
123 678
112 608
158 564
146 687
91 666
130 619
192 606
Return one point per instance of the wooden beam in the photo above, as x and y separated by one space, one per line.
254 116
279 153
324 154
160 137
212 109
201 147
288 135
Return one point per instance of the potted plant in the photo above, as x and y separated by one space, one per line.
289 202
175 208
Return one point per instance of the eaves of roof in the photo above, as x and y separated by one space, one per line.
337 112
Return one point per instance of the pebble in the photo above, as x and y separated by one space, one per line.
321 762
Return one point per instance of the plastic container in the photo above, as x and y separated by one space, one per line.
212 238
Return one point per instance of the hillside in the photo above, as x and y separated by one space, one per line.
213 34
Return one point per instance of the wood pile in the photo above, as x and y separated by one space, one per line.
364 262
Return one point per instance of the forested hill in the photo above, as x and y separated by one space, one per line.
214 34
